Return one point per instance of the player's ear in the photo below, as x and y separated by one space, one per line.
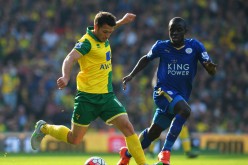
96 27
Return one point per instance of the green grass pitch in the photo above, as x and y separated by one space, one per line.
111 159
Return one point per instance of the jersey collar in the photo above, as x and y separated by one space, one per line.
89 31
176 47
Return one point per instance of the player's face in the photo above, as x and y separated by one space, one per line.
176 33
104 32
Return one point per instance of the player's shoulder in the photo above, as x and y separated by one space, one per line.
161 43
84 37
193 42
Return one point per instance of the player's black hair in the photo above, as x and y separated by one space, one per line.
181 20
102 18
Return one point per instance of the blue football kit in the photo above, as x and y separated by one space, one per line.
176 71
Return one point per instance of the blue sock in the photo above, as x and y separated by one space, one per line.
174 131
145 141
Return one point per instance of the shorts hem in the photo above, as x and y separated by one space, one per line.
81 125
114 117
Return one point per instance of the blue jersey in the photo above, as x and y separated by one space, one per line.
177 67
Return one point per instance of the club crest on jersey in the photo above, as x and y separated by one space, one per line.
188 50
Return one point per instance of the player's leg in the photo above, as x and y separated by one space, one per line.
80 122
115 113
132 141
182 111
161 121
62 133
59 132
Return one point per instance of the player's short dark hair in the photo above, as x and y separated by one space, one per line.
179 19
102 18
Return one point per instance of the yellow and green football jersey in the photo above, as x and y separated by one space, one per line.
95 74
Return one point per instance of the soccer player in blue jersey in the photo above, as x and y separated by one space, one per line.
184 134
176 71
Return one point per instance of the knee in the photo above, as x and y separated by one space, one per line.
185 112
127 128
183 109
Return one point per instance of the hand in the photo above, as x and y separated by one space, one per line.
211 67
62 82
125 80
129 17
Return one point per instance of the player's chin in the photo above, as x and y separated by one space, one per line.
175 40
103 39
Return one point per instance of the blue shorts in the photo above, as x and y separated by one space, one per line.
165 103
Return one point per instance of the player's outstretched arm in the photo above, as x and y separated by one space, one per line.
142 63
210 67
127 18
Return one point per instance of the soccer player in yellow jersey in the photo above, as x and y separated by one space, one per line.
95 97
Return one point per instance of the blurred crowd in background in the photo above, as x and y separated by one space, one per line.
36 36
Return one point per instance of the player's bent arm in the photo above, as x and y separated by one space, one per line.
127 18
68 62
142 63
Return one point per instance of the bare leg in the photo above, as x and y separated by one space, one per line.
76 134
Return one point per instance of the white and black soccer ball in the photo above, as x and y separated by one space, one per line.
95 160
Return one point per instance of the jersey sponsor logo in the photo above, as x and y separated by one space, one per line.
105 66
178 69
188 50
205 56
108 55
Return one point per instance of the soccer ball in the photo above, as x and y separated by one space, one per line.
95 161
